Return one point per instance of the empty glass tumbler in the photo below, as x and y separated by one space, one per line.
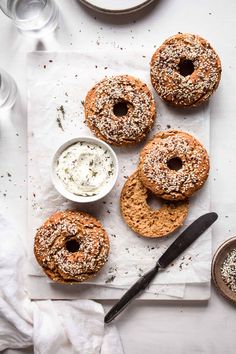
8 90
33 17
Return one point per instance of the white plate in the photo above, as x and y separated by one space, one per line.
116 6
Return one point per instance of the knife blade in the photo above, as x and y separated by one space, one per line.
186 238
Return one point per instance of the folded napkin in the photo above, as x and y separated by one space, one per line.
61 327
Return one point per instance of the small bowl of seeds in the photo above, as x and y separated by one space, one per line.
223 269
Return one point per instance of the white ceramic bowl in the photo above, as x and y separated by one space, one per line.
59 185
117 7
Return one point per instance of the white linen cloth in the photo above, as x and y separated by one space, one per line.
61 327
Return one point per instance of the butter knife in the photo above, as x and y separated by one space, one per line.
186 238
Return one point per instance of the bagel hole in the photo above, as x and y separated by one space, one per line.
175 164
121 108
154 202
72 246
186 67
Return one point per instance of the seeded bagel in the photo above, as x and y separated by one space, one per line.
120 110
185 70
71 246
144 220
173 165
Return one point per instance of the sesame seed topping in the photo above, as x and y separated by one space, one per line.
166 74
165 181
138 106
228 270
51 246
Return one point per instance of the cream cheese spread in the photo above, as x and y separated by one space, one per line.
85 168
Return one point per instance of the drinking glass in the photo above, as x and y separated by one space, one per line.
8 90
33 17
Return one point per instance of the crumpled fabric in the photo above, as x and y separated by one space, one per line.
61 327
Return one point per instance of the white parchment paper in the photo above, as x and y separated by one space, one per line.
57 86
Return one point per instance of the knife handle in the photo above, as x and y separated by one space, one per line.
140 285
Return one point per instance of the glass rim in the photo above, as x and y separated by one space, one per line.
9 14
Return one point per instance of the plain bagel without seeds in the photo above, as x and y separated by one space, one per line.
143 219
185 70
173 165
120 110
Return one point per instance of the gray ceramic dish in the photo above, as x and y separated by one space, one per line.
217 262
